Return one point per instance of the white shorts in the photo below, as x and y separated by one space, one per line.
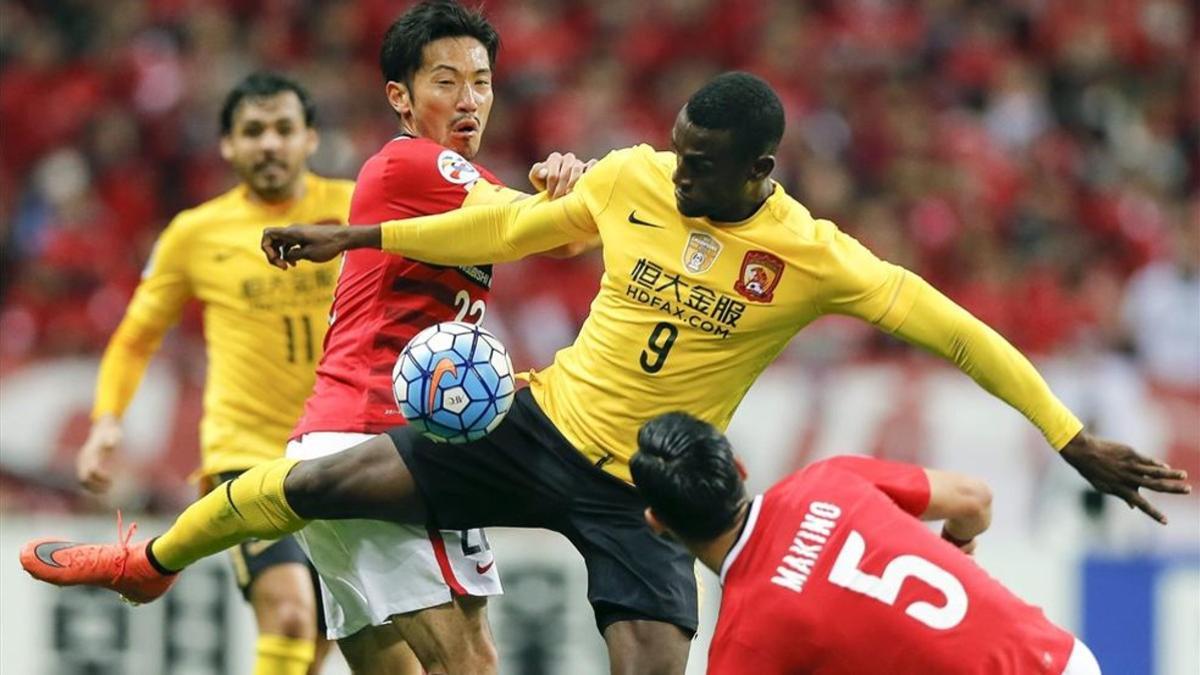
1082 661
371 570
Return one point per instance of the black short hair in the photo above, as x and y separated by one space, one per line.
743 104
684 470
405 40
264 85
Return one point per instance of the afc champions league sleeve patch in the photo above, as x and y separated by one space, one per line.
456 169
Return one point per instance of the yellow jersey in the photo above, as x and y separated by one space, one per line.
691 311
263 328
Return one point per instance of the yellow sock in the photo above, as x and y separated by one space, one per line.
251 505
278 655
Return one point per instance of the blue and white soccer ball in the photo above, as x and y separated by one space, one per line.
454 382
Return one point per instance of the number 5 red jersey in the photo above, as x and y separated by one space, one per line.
834 574
382 301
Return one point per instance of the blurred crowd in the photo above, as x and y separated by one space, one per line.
1039 160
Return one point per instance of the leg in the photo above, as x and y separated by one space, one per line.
646 648
276 578
369 480
452 639
372 569
276 498
285 608
379 650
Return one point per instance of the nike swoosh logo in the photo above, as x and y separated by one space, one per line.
443 368
223 256
45 552
638 221
483 569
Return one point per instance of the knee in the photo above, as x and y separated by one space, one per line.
288 618
309 486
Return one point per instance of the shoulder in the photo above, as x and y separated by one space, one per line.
636 164
333 189
640 156
216 209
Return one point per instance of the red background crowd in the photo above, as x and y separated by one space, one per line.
1030 157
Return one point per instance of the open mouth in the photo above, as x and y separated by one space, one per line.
465 128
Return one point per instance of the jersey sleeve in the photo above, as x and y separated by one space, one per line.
155 307
857 283
485 193
905 484
493 234
854 282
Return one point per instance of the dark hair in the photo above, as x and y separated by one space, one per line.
684 470
743 104
405 40
264 85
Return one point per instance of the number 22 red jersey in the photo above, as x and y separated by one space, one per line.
382 300
833 575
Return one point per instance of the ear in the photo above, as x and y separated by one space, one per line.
398 97
741 467
226 148
762 167
653 521
312 141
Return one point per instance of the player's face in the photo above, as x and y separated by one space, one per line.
451 95
269 145
711 179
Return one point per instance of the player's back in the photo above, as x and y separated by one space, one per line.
382 300
832 576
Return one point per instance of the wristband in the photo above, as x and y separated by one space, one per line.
955 540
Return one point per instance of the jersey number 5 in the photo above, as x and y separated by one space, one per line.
845 573
475 310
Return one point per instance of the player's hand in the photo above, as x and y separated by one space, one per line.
558 173
967 546
1118 470
92 462
285 246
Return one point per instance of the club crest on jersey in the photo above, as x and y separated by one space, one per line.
701 252
760 275
455 169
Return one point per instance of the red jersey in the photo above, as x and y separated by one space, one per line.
833 574
382 300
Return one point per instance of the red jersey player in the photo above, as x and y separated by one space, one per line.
378 578
830 571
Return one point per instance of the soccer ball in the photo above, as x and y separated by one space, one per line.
454 382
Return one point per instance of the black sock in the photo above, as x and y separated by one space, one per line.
154 563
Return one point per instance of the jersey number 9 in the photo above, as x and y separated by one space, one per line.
658 345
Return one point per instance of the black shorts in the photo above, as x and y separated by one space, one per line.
253 557
525 474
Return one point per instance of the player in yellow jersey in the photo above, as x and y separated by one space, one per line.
263 331
710 269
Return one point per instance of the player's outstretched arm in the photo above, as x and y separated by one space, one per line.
856 283
938 324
